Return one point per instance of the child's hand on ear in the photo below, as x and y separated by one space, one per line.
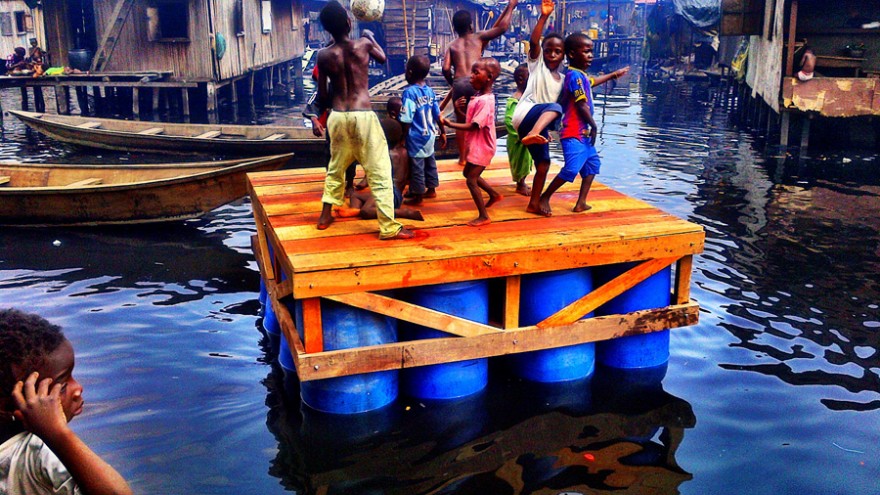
38 406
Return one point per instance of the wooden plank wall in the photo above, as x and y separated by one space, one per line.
254 49
193 60
765 62
8 43
134 52
57 30
429 28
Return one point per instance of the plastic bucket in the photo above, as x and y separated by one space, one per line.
635 351
468 300
541 295
346 327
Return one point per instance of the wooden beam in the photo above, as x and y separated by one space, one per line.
617 286
402 355
792 38
209 134
682 289
91 181
511 301
312 327
414 314
152 131
4 179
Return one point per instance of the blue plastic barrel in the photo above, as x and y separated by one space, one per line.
346 327
469 300
541 295
273 330
635 351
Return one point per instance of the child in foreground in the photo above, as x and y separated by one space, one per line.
355 133
39 453
480 140
517 154
419 115
578 134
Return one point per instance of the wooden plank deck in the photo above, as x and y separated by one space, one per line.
348 262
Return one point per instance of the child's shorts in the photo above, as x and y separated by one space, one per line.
580 158
539 152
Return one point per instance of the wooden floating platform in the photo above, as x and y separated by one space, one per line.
348 263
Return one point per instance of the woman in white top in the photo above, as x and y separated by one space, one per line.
537 108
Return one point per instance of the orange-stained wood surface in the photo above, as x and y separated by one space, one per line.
349 257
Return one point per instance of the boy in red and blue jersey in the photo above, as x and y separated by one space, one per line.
578 133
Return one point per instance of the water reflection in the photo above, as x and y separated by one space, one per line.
557 437
169 264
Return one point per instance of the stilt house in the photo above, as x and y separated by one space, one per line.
18 26
844 36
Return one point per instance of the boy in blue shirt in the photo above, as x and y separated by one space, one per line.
578 133
420 117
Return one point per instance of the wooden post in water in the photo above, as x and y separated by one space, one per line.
298 87
136 103
184 96
784 128
82 99
211 104
805 135
155 102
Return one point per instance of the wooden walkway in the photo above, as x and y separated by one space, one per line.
347 263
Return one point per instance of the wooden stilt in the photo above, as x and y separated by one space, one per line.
298 87
211 89
184 96
233 92
805 135
24 98
136 103
99 101
62 100
39 102
155 104
784 128
82 100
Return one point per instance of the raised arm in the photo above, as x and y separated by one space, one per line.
604 78
38 407
376 50
501 25
547 7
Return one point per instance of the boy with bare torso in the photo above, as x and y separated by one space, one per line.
463 52
355 132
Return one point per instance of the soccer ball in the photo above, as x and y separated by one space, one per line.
368 10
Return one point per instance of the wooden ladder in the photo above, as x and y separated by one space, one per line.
108 41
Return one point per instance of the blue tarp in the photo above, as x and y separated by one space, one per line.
700 13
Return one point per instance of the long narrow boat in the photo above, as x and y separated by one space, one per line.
61 194
170 138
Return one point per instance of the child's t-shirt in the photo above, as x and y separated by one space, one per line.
481 143
543 86
576 88
420 110
28 467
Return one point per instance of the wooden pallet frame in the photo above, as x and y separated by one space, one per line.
357 283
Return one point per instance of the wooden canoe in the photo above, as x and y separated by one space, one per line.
170 138
61 194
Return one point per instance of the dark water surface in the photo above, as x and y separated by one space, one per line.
777 390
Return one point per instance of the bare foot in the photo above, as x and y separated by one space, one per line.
523 189
579 207
480 221
544 208
534 139
494 199
410 214
344 212
323 222
538 211
404 233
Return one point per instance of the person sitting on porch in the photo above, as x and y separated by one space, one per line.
16 61
807 64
